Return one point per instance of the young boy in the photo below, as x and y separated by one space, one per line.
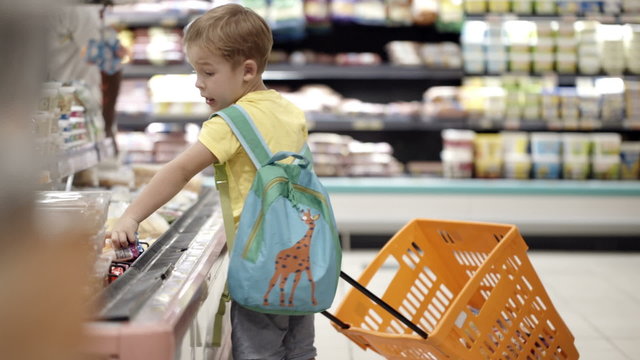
228 47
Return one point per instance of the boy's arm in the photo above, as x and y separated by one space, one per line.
171 178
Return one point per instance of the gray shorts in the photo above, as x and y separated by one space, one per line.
256 335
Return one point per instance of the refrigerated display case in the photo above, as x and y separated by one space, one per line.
164 305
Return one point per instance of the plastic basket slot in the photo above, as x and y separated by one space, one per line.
527 283
432 309
498 237
412 300
459 258
411 259
446 237
504 326
395 327
487 350
420 284
478 257
417 248
445 290
516 345
415 292
438 305
551 326
560 354
407 309
465 342
444 295
372 321
541 303
427 325
428 272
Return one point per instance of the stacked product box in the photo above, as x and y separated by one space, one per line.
546 150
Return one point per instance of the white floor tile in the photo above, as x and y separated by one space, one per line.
597 295
630 347
599 349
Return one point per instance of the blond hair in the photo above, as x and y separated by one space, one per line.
234 32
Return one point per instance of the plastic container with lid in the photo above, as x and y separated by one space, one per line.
630 160
575 167
576 145
545 7
457 164
546 166
515 142
488 168
458 139
517 166
545 143
606 167
606 144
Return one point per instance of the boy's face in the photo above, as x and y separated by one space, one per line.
219 83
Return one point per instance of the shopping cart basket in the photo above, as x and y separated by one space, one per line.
461 290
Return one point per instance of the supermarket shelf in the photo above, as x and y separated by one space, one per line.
603 18
563 79
338 122
283 72
538 207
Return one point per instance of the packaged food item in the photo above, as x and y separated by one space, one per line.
606 167
545 7
630 160
475 6
499 6
517 166
546 166
576 145
523 7
457 164
606 144
575 167
545 143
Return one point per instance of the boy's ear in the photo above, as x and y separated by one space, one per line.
250 69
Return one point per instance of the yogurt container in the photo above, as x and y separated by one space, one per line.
546 166
575 167
605 144
457 164
630 160
545 143
606 167
517 166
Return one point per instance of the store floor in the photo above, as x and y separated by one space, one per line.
597 295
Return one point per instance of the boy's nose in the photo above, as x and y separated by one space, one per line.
199 83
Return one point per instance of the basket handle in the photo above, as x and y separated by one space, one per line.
378 301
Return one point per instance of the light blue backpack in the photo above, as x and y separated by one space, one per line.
286 255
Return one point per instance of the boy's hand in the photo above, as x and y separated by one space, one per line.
123 232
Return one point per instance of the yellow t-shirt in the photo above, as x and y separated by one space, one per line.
281 124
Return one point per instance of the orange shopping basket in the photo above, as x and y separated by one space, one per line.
462 290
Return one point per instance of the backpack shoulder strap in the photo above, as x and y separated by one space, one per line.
247 133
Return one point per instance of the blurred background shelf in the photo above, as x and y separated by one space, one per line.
277 72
